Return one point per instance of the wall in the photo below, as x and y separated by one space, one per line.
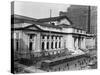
64 21
23 40
69 41
90 43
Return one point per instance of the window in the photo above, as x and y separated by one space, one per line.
42 45
43 36
81 31
51 37
17 45
30 36
30 46
56 37
59 44
48 37
53 23
59 38
52 45
47 45
56 45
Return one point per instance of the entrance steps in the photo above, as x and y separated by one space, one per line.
78 52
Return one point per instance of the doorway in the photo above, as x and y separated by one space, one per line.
30 46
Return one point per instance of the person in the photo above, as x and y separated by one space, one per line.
68 66
75 65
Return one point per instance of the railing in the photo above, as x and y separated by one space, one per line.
41 55
64 52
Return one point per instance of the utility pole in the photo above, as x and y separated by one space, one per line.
50 15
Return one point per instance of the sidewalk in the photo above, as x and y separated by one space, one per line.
31 69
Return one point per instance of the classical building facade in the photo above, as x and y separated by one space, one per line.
47 36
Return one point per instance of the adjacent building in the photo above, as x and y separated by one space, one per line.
84 17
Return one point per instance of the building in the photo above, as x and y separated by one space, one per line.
78 14
47 36
84 17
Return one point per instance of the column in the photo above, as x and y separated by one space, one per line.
14 40
79 42
69 42
62 41
81 46
57 42
84 45
45 42
34 42
38 45
94 42
54 42
76 43
28 41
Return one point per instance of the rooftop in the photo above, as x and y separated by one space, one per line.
24 19
58 18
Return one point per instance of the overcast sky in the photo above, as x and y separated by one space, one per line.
38 10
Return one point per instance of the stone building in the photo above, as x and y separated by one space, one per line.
48 36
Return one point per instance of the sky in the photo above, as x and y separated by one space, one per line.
38 10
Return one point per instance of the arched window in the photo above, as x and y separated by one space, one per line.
42 45
47 45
